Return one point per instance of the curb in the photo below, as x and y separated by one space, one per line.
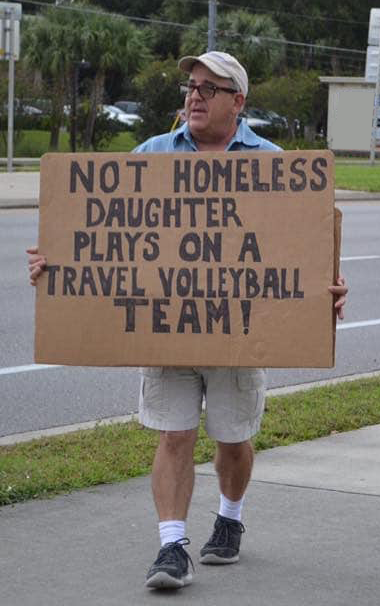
27 436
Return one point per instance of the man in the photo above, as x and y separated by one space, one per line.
171 397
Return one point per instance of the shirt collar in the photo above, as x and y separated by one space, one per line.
244 135
184 133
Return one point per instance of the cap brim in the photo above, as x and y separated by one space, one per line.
186 63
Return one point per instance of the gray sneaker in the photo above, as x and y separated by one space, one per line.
171 568
224 544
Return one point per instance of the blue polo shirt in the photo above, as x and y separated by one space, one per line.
181 140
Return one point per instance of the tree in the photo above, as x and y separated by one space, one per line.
243 35
109 43
300 96
160 97
59 41
343 23
51 45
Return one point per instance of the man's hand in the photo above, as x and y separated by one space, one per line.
339 290
37 263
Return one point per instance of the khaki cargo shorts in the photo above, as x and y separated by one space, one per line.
171 400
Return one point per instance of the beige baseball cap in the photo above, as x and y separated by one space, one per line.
220 64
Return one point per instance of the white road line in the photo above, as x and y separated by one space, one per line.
29 367
363 258
358 324
16 369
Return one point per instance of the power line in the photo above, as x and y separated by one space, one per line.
229 33
83 9
274 12
289 14
293 43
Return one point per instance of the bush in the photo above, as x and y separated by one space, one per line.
300 143
159 92
299 96
105 129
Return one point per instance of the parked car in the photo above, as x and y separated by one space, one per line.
114 112
266 122
21 108
129 107
257 118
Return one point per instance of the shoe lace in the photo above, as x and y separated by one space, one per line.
171 552
222 527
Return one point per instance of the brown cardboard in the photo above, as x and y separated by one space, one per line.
228 263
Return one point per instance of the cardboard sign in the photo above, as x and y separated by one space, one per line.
192 259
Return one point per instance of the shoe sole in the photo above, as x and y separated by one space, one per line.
163 580
212 558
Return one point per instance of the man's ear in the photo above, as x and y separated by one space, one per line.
239 103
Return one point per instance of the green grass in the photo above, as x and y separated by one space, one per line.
35 143
356 174
114 453
357 177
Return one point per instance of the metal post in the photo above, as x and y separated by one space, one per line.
73 117
211 25
11 88
375 112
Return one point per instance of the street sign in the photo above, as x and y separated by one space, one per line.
10 17
16 8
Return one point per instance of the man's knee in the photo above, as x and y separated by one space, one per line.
235 450
178 441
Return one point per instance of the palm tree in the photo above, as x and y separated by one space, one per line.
56 43
250 38
109 43
51 44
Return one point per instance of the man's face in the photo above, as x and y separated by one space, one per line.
212 119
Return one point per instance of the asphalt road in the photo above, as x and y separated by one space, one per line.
38 399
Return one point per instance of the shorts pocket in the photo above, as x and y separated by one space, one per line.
247 405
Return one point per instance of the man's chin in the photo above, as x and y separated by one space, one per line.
197 124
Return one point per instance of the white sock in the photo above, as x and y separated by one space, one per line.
230 509
171 530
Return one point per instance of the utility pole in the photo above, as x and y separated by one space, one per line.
10 16
211 25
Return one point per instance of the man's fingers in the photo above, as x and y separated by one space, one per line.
339 304
35 272
339 290
35 260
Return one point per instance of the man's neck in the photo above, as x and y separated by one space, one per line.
208 143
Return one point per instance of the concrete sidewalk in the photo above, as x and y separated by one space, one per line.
312 539
21 190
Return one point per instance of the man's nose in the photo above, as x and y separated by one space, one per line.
198 94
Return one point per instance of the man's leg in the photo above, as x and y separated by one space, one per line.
170 401
173 474
235 405
172 485
233 464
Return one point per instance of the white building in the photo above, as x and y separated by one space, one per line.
350 113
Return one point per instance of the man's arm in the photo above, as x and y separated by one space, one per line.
37 263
